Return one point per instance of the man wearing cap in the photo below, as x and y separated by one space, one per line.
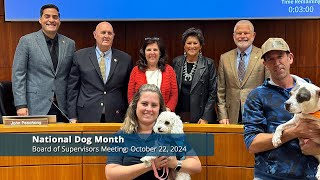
264 111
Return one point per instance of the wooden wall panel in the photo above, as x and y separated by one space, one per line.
1 8
5 73
52 172
230 154
4 51
230 173
309 72
304 41
94 172
82 32
302 35
218 39
200 176
268 28
38 160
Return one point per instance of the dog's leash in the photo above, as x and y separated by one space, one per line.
165 171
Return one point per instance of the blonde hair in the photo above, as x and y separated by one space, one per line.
130 124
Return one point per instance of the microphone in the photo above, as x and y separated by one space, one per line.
63 114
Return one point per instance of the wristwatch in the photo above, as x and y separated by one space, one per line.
178 167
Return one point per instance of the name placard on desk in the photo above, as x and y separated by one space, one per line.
28 120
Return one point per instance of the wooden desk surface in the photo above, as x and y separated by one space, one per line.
113 127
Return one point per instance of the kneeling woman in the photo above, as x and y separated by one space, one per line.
140 118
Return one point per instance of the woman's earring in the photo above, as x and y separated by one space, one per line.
185 54
200 54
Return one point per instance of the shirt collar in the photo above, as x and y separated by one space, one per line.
247 51
49 39
100 52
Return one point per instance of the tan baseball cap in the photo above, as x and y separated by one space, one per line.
274 44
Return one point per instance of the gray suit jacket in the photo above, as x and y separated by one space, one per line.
231 92
34 80
87 93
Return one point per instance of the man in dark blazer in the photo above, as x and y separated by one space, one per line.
96 95
41 65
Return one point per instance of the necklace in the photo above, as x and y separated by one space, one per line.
189 76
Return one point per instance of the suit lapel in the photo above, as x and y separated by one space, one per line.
62 48
44 48
94 60
199 71
233 65
179 71
114 63
252 63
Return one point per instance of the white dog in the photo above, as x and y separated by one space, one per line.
167 123
303 102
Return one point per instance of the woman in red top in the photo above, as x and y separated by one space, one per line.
152 69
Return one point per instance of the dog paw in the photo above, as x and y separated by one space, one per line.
276 139
147 160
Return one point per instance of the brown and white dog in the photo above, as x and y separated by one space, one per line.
304 102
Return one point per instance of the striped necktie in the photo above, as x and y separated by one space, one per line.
102 65
241 67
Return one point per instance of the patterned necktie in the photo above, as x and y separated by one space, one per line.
241 67
102 65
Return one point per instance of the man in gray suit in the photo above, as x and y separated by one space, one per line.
98 81
41 65
240 70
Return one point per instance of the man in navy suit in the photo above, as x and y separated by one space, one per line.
41 65
98 93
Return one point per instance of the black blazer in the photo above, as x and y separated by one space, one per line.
2 110
87 93
203 93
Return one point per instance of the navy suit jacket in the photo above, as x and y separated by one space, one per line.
87 93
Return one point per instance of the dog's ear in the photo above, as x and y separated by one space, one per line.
177 127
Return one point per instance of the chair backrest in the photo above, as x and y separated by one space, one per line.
7 107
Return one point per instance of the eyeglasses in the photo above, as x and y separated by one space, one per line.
152 38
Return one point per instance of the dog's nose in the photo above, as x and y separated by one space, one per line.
287 106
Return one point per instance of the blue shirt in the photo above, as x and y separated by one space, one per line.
263 112
246 57
107 58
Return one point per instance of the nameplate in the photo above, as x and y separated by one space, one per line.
26 122
34 120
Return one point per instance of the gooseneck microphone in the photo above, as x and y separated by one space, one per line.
63 114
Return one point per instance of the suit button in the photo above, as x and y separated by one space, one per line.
101 104
104 92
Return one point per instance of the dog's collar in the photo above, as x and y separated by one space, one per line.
316 114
